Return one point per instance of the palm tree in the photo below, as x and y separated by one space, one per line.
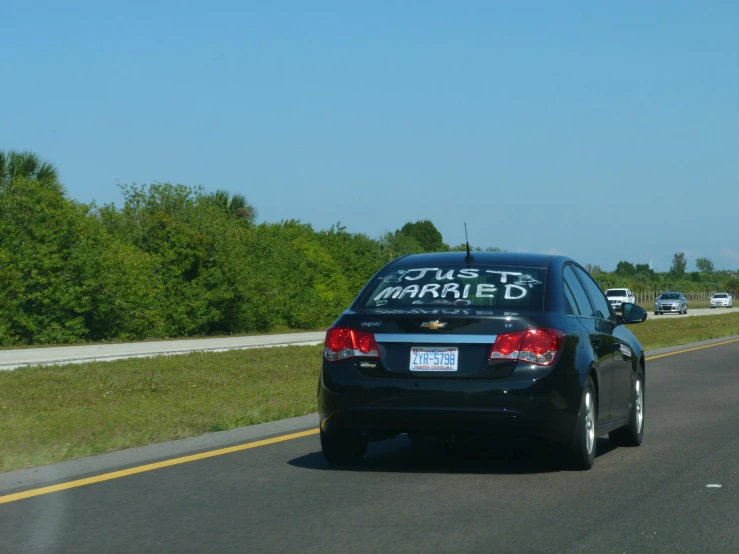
235 205
28 165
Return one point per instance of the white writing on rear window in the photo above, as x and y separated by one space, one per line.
449 284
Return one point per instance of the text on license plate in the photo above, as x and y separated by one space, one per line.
425 358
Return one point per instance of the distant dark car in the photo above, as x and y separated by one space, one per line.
497 344
671 302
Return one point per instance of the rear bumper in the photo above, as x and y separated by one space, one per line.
518 406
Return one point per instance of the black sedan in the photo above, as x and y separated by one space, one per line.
493 344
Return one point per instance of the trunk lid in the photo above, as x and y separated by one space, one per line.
460 340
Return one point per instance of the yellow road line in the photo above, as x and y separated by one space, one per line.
691 349
151 467
212 453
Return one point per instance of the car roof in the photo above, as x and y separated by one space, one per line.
484 258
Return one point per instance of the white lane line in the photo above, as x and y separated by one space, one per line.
713 486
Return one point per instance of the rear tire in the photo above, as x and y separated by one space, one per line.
632 433
343 448
582 451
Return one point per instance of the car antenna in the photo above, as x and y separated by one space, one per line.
468 257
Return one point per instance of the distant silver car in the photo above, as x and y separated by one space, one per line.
671 302
722 300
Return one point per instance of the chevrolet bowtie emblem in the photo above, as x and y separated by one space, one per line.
433 325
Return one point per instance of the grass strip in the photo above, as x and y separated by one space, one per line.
57 413
671 330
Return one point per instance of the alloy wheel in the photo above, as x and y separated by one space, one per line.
639 405
589 422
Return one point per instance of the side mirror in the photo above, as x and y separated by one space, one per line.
632 313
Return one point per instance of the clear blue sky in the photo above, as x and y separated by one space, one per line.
601 130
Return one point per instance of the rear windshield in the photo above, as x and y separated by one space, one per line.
443 286
616 292
670 296
722 295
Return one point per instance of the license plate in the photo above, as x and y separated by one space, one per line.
425 358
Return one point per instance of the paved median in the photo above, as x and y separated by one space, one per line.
58 355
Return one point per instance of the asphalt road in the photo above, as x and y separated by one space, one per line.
283 497
12 359
691 312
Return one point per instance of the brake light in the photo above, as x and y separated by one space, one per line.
536 346
342 342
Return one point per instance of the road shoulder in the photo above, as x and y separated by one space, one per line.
84 467
668 350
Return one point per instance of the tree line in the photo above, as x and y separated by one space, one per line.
176 261
642 278
170 261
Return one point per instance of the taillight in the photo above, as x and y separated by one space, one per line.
536 346
342 342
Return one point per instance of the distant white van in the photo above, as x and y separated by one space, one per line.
618 296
